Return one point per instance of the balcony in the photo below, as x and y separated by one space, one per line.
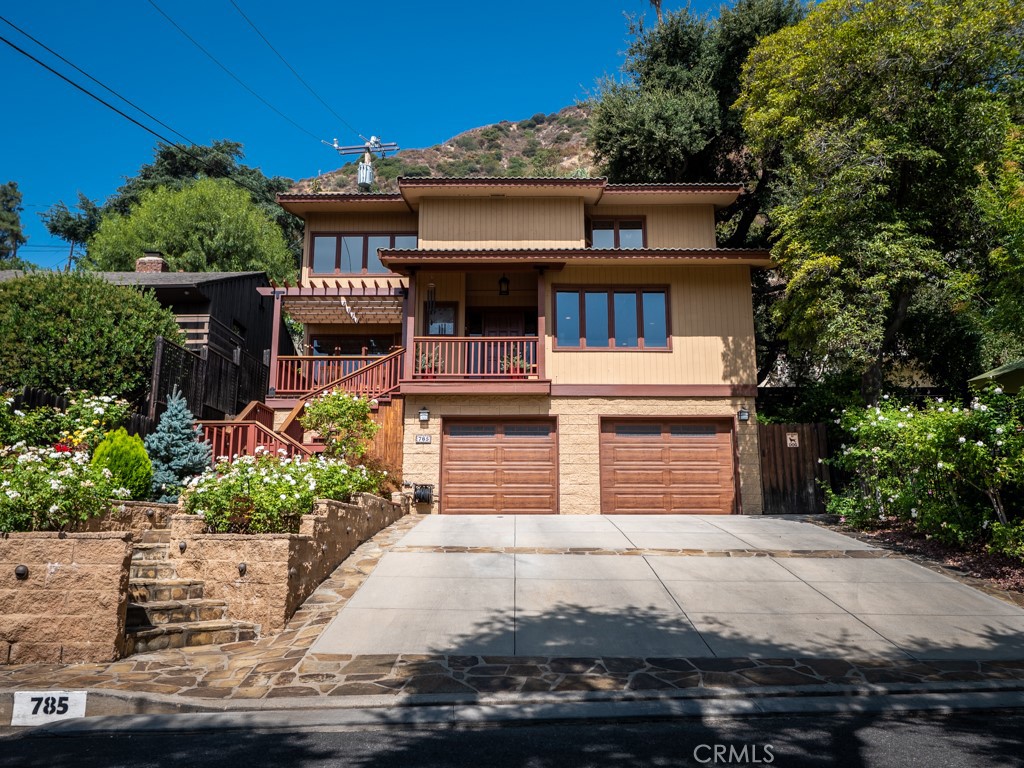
492 364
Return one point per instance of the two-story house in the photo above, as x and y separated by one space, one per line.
561 346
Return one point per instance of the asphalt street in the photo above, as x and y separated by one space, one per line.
991 739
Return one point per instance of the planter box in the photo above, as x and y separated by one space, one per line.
281 570
71 608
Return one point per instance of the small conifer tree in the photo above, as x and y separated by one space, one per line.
125 457
176 449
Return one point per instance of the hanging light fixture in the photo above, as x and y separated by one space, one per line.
503 283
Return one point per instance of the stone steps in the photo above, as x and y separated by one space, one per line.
156 536
186 635
157 613
155 551
152 569
159 590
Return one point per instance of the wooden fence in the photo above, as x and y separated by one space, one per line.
793 471
212 384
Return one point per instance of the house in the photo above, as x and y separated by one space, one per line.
561 346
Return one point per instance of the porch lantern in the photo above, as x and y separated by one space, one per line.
503 283
743 414
424 415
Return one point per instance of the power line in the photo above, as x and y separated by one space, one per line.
229 72
78 69
292 70
127 117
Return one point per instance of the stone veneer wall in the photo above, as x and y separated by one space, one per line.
579 465
71 608
282 570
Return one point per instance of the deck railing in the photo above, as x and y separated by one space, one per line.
242 438
299 375
475 357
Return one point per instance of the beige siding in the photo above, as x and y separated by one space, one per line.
712 329
347 222
501 223
669 226
579 430
448 287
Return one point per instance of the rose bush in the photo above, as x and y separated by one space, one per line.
954 471
269 494
51 489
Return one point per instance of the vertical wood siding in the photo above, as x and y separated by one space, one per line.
712 329
501 223
669 226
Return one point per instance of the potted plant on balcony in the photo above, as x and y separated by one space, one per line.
515 365
428 363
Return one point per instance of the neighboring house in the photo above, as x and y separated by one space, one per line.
558 345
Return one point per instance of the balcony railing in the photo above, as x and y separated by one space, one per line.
299 375
475 357
242 438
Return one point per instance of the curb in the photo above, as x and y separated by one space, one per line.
125 711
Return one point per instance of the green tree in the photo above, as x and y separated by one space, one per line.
883 111
177 167
11 234
75 228
176 449
209 225
76 331
124 456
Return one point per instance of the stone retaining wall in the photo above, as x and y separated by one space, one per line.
72 605
134 516
281 570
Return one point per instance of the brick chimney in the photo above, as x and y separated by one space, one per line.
151 261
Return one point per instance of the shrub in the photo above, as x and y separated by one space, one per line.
34 426
950 470
176 449
125 456
74 330
50 489
342 421
269 494
89 417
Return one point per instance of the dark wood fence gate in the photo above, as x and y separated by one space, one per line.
791 474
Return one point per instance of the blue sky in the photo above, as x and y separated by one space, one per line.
416 73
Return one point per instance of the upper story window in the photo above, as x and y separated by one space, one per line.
616 233
611 318
354 254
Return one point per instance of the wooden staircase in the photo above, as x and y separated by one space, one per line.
167 612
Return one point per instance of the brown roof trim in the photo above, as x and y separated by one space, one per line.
599 253
348 197
669 188
498 181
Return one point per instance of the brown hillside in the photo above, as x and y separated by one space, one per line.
543 145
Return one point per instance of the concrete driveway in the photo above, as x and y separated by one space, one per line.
662 586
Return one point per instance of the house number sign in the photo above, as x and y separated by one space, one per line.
40 707
792 440
423 438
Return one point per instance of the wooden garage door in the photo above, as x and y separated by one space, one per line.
667 467
498 467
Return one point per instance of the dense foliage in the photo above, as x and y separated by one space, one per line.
82 425
176 449
125 456
343 421
209 225
956 472
51 488
12 235
74 331
269 494
887 113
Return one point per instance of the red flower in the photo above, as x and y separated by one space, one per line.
62 448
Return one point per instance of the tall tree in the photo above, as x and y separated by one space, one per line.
11 234
75 228
884 111
210 225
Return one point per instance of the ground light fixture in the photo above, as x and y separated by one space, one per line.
424 415
743 414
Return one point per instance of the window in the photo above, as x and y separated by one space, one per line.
615 233
354 254
611 318
440 318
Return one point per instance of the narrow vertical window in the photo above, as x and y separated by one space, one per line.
655 319
567 313
626 333
595 310
324 255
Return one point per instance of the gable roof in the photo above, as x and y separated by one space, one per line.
151 279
